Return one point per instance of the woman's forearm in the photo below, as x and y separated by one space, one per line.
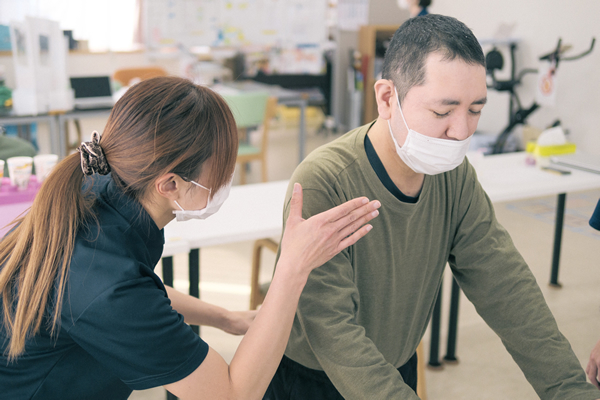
196 311
260 352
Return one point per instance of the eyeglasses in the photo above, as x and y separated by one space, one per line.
195 183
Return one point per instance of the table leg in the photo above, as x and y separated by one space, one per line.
194 274
171 396
558 229
167 271
62 136
434 346
302 133
453 323
55 146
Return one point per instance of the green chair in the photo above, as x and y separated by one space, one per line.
250 110
14 147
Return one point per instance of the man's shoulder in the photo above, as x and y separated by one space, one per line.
330 161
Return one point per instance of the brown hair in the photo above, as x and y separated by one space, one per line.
161 125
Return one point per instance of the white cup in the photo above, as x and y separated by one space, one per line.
19 170
43 165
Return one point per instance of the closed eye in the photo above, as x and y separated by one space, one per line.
441 115
475 112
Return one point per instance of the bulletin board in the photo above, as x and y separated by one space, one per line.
282 23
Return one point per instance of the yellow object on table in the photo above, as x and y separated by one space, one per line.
551 150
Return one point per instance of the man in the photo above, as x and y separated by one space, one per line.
362 314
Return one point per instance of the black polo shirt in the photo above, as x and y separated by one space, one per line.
118 330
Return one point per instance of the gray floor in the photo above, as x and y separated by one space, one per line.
485 370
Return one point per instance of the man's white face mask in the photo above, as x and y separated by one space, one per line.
213 205
428 155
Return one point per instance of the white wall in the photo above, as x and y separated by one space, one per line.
94 64
539 24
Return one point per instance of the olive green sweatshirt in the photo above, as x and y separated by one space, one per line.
362 314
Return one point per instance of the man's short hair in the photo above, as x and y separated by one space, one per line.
405 58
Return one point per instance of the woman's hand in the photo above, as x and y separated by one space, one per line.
593 367
311 243
238 322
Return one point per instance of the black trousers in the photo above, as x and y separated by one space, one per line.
293 381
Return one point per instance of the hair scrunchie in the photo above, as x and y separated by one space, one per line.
93 159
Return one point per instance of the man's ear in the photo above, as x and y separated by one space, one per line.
169 186
384 95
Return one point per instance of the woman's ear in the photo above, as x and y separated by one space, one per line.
169 186
384 95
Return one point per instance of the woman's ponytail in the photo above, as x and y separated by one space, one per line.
35 255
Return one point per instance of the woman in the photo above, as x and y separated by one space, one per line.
416 8
84 315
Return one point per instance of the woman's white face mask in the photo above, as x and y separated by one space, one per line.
213 205
428 155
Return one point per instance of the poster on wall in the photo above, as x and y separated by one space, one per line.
223 23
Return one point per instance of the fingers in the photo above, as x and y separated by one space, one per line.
357 218
592 373
296 203
355 237
343 210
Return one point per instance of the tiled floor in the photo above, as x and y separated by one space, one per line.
485 370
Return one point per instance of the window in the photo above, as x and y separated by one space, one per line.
107 25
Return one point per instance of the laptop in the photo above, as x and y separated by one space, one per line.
92 92
583 161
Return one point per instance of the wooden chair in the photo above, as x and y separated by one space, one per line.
250 110
258 292
125 75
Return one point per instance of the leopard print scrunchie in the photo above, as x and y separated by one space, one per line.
92 157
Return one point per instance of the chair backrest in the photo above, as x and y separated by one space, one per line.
125 75
270 112
248 108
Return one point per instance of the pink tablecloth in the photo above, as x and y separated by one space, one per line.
14 202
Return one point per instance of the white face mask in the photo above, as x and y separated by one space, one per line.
427 155
212 206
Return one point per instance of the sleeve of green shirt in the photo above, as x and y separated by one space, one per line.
498 282
326 313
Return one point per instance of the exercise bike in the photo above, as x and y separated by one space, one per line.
517 114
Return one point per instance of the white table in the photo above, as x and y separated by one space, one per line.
507 177
251 212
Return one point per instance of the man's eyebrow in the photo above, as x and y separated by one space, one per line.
453 102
